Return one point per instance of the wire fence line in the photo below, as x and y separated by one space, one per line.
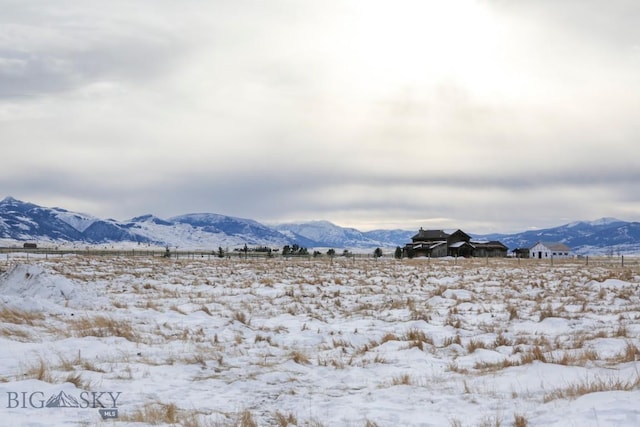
16 254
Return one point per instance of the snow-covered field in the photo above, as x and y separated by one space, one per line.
272 342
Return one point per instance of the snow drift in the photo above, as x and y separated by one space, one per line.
27 282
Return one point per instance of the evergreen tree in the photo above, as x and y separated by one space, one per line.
398 252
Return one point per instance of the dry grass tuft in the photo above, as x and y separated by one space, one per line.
595 385
404 379
103 326
389 337
20 317
417 335
206 310
245 419
577 358
519 421
535 353
77 380
285 420
629 354
299 357
39 371
473 345
16 333
241 317
153 413
547 312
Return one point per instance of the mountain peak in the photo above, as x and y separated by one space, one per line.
10 201
605 221
150 218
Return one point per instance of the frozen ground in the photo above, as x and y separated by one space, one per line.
312 343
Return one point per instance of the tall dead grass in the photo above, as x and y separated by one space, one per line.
103 326
592 385
20 317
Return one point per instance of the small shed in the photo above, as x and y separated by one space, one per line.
30 246
521 252
491 249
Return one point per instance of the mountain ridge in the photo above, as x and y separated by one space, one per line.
25 221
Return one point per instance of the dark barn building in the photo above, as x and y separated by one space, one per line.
437 243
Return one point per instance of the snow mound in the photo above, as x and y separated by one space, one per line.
32 282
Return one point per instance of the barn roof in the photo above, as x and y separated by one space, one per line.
491 244
430 235
460 244
555 246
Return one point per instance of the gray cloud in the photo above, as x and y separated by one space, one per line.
498 116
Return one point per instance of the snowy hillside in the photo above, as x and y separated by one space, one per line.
327 234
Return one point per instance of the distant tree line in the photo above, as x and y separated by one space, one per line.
297 250
294 249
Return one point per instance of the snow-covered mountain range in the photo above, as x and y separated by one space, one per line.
23 221
604 236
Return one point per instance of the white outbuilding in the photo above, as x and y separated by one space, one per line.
543 250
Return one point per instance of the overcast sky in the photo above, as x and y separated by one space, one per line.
490 116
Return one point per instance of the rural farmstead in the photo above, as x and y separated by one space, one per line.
437 243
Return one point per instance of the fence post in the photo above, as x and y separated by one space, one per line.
623 260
